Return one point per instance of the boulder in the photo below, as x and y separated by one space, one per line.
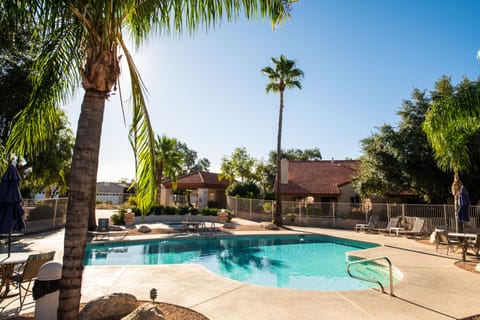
269 226
144 229
113 306
147 311
229 225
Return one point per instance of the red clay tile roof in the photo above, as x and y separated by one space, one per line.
198 179
323 177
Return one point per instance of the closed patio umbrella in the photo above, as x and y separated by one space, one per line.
463 205
11 211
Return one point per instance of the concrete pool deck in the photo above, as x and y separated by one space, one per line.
432 286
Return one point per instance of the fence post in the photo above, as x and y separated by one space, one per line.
445 217
403 211
250 210
272 210
389 213
334 215
55 213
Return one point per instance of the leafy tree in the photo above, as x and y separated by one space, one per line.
82 43
50 168
285 76
190 162
240 165
168 161
244 190
402 159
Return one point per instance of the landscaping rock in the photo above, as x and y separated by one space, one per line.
229 225
144 229
269 226
113 306
147 311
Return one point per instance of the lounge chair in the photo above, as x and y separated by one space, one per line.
105 231
475 245
372 223
442 238
25 275
392 223
417 229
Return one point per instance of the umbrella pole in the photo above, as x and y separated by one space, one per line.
9 244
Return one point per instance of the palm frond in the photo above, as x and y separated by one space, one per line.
143 138
54 77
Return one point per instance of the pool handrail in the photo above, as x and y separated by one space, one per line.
390 267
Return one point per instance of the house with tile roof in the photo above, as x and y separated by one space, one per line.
319 180
207 189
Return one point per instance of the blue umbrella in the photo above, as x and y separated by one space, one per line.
463 204
11 211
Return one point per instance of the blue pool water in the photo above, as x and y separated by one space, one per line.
298 262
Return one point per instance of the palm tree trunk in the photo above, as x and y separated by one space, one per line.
159 181
81 201
277 219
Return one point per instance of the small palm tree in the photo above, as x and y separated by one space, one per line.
168 161
450 123
285 76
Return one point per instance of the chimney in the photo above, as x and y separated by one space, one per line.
284 171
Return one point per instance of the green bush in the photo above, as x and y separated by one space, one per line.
314 211
137 211
41 212
157 209
267 207
209 211
170 211
117 218
132 201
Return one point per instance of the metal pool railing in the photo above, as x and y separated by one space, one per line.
390 267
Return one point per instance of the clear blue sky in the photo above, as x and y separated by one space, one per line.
360 59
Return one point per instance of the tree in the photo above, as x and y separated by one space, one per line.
240 165
84 41
451 124
168 161
285 76
397 160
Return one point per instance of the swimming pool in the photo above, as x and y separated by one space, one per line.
298 262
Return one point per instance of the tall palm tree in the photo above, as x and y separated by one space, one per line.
450 123
168 161
82 43
285 76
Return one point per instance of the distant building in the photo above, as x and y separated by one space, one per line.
206 190
113 192
319 180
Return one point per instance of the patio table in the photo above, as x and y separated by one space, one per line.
396 229
8 264
463 238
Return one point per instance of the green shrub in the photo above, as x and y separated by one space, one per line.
41 212
137 211
157 209
170 211
117 218
209 211
267 207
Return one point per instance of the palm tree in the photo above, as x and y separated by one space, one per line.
285 76
168 161
450 123
82 43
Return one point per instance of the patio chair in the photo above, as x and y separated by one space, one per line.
475 245
442 238
105 231
392 223
372 223
417 229
24 276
